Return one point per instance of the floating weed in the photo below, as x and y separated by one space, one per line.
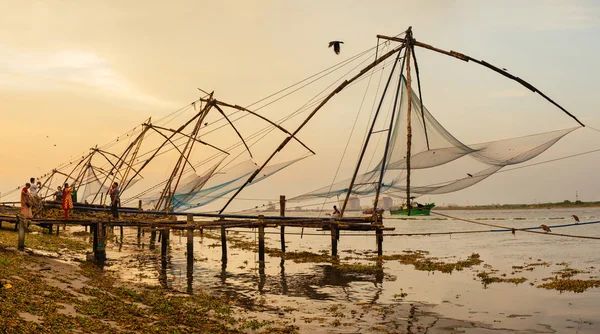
569 272
300 257
574 285
486 279
420 262
358 268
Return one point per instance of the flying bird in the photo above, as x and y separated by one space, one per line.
513 231
205 124
336 46
545 228
576 218
470 175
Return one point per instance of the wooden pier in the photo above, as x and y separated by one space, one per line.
140 219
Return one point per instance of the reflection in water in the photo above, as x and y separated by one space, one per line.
262 277
190 268
306 282
284 287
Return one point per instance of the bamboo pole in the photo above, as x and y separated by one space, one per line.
389 136
408 126
366 143
168 193
414 56
278 126
466 58
309 117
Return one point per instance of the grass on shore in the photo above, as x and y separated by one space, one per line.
93 300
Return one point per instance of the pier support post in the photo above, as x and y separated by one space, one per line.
261 238
379 235
93 230
223 244
190 254
164 243
121 227
334 237
152 238
282 227
100 242
21 224
57 228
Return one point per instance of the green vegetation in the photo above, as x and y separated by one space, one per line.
420 262
574 285
487 279
90 300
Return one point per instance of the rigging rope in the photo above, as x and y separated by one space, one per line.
524 230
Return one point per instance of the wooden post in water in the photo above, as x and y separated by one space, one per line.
164 243
139 208
261 238
282 227
57 228
334 237
190 241
21 224
100 242
121 227
50 227
379 235
93 230
190 254
223 245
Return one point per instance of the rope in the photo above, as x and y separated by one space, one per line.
524 230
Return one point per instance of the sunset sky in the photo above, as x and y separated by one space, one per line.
74 74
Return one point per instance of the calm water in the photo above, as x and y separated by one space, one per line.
310 287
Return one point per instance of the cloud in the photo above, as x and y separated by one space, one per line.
73 70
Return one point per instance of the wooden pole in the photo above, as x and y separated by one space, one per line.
121 228
21 224
57 228
190 242
334 237
388 139
100 240
164 243
223 245
408 123
282 227
379 236
309 117
94 231
261 238
366 143
466 58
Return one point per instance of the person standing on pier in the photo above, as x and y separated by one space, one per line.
336 212
26 201
67 200
58 194
115 199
